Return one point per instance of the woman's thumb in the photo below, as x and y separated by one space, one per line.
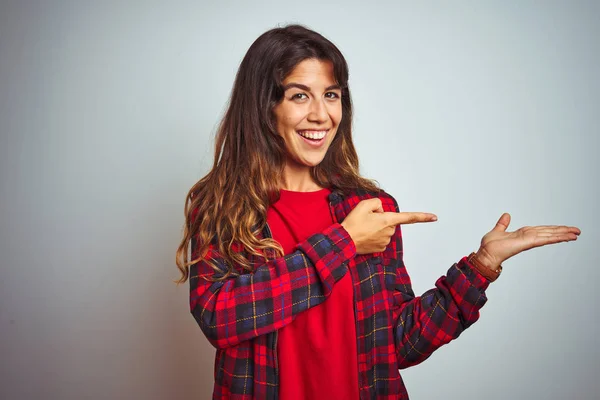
374 204
502 223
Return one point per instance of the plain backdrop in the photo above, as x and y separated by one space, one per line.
466 109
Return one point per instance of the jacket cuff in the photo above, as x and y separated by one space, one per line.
330 252
479 281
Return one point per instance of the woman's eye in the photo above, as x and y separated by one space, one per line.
299 96
332 95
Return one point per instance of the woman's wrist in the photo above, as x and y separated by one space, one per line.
481 261
485 260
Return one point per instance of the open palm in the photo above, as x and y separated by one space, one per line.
498 245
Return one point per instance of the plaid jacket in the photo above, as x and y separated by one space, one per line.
241 316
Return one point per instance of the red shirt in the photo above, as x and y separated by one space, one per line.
317 351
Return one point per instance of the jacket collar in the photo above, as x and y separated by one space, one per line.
336 196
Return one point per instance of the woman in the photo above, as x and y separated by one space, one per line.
296 270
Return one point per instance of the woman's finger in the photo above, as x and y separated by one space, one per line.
552 239
394 218
556 229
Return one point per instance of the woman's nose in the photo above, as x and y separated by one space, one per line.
318 111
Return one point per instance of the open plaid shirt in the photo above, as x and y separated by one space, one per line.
241 316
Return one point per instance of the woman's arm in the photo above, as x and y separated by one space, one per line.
253 304
427 322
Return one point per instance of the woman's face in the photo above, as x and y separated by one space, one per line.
310 112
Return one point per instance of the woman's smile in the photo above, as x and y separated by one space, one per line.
314 138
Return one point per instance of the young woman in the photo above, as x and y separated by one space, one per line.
296 270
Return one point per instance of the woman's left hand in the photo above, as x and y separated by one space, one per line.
498 245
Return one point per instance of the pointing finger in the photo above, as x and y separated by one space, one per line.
393 218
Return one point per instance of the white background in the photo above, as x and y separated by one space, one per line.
466 109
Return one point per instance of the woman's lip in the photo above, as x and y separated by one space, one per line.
313 143
312 130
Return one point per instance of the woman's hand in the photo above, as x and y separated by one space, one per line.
498 245
371 228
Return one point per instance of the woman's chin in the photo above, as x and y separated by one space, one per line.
312 163
307 162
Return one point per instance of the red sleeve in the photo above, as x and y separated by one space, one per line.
249 305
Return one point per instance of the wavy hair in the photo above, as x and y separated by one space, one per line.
231 201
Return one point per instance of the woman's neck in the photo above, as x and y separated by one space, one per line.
298 179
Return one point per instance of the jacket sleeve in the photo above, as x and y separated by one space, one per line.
427 322
253 304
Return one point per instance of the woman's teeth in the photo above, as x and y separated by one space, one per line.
315 135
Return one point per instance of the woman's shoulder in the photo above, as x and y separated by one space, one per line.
356 195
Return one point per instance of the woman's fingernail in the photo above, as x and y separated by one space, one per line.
434 218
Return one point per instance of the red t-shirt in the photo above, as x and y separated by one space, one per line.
317 351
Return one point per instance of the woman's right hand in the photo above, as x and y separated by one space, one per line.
371 228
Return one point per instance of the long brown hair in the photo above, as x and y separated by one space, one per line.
231 201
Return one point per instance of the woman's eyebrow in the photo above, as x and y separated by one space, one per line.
306 88
296 85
